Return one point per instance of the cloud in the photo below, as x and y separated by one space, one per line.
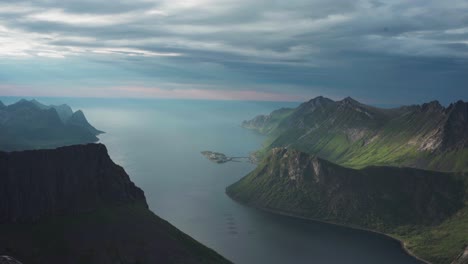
271 30
267 44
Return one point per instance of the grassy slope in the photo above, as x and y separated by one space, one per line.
438 242
441 243
396 144
119 234
390 137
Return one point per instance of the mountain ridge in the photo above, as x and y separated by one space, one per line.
32 125
352 134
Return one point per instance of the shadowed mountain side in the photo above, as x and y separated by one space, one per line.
74 205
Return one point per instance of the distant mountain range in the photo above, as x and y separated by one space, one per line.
349 163
33 125
356 135
74 205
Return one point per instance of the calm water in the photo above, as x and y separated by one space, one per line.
158 142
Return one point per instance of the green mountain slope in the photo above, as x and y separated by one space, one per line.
355 135
425 209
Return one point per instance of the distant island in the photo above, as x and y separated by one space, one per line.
220 158
32 125
400 171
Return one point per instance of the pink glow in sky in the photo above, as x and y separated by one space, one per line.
150 92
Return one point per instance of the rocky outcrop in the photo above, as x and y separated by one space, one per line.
68 180
74 205
462 258
455 130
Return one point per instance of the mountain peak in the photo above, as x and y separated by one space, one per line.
2 105
349 100
432 106
79 113
79 119
318 101
24 103
39 104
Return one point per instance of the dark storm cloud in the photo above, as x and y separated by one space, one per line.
374 50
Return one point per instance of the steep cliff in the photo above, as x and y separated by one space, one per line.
426 209
68 180
74 205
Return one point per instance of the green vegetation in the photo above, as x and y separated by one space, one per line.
356 135
427 210
441 243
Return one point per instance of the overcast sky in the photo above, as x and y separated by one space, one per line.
381 52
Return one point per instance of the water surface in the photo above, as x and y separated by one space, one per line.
158 142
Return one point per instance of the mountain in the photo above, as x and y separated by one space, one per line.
64 111
356 135
32 125
427 210
74 205
78 119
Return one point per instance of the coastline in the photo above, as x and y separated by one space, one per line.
279 212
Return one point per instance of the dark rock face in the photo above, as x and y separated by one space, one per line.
74 205
462 258
68 180
456 127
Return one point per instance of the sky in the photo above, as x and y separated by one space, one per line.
379 52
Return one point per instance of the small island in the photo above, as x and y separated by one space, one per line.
220 158
216 156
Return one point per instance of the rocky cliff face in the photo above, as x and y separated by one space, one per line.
455 129
68 180
463 258
74 205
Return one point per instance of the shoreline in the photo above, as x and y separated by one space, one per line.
282 213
